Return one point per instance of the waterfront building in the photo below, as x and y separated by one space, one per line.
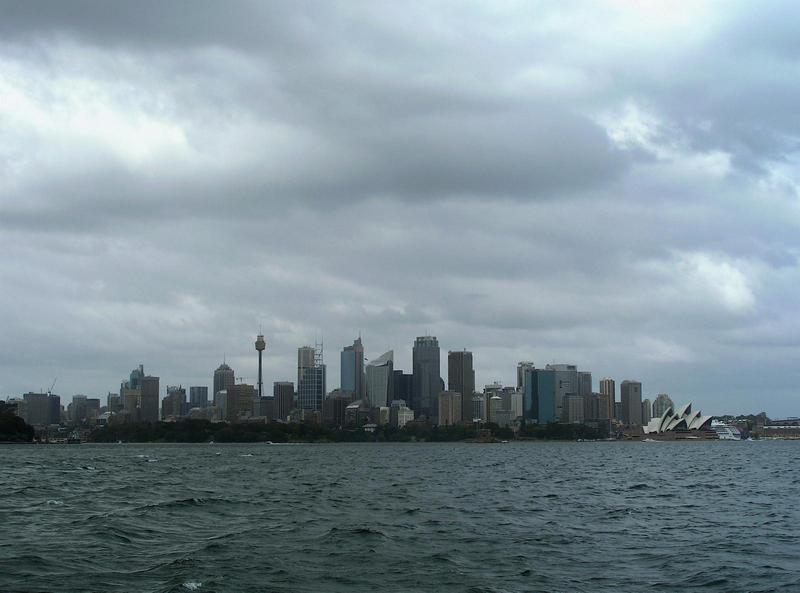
223 377
380 380
264 407
427 379
647 411
283 392
450 408
478 412
461 378
403 387
399 413
37 409
311 378
584 383
574 409
565 378
335 406
680 424
148 398
113 403
539 399
630 393
198 397
174 404
523 366
241 399
351 374
662 403
130 403
609 390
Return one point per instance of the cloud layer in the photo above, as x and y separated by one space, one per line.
614 186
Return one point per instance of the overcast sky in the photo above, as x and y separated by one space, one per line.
609 184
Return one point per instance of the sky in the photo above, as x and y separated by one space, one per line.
608 184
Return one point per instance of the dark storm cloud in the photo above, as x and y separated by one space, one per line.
612 185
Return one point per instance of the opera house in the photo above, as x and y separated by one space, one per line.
682 424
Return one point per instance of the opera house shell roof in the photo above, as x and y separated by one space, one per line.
681 420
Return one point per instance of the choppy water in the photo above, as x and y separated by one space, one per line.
548 517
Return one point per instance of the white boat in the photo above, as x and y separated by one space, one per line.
726 432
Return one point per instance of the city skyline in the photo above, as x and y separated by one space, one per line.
612 184
226 375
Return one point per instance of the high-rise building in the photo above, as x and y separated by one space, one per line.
283 392
311 378
223 378
461 378
174 404
380 380
584 383
539 399
449 408
400 414
609 389
647 411
662 404
521 368
566 383
148 399
37 409
403 386
198 397
136 376
427 378
241 400
574 412
630 395
352 370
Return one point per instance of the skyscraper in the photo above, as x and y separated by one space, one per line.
449 408
311 379
223 378
403 386
662 404
630 394
283 392
380 380
352 370
149 399
539 398
566 382
427 378
647 411
521 368
198 397
609 389
461 378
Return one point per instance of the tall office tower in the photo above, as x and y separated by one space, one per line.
148 399
662 404
174 404
403 386
427 378
283 392
241 398
521 368
113 403
198 397
311 378
647 411
53 409
37 409
223 378
78 409
461 378
584 383
609 389
261 344
630 395
380 380
449 408
574 409
539 398
566 381
351 373
135 381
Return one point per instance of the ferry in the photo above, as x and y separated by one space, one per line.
726 432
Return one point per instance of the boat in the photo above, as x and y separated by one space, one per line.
726 432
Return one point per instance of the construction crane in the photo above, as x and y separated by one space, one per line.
50 391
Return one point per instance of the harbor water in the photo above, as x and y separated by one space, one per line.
449 517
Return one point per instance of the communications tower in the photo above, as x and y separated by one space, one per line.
261 345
